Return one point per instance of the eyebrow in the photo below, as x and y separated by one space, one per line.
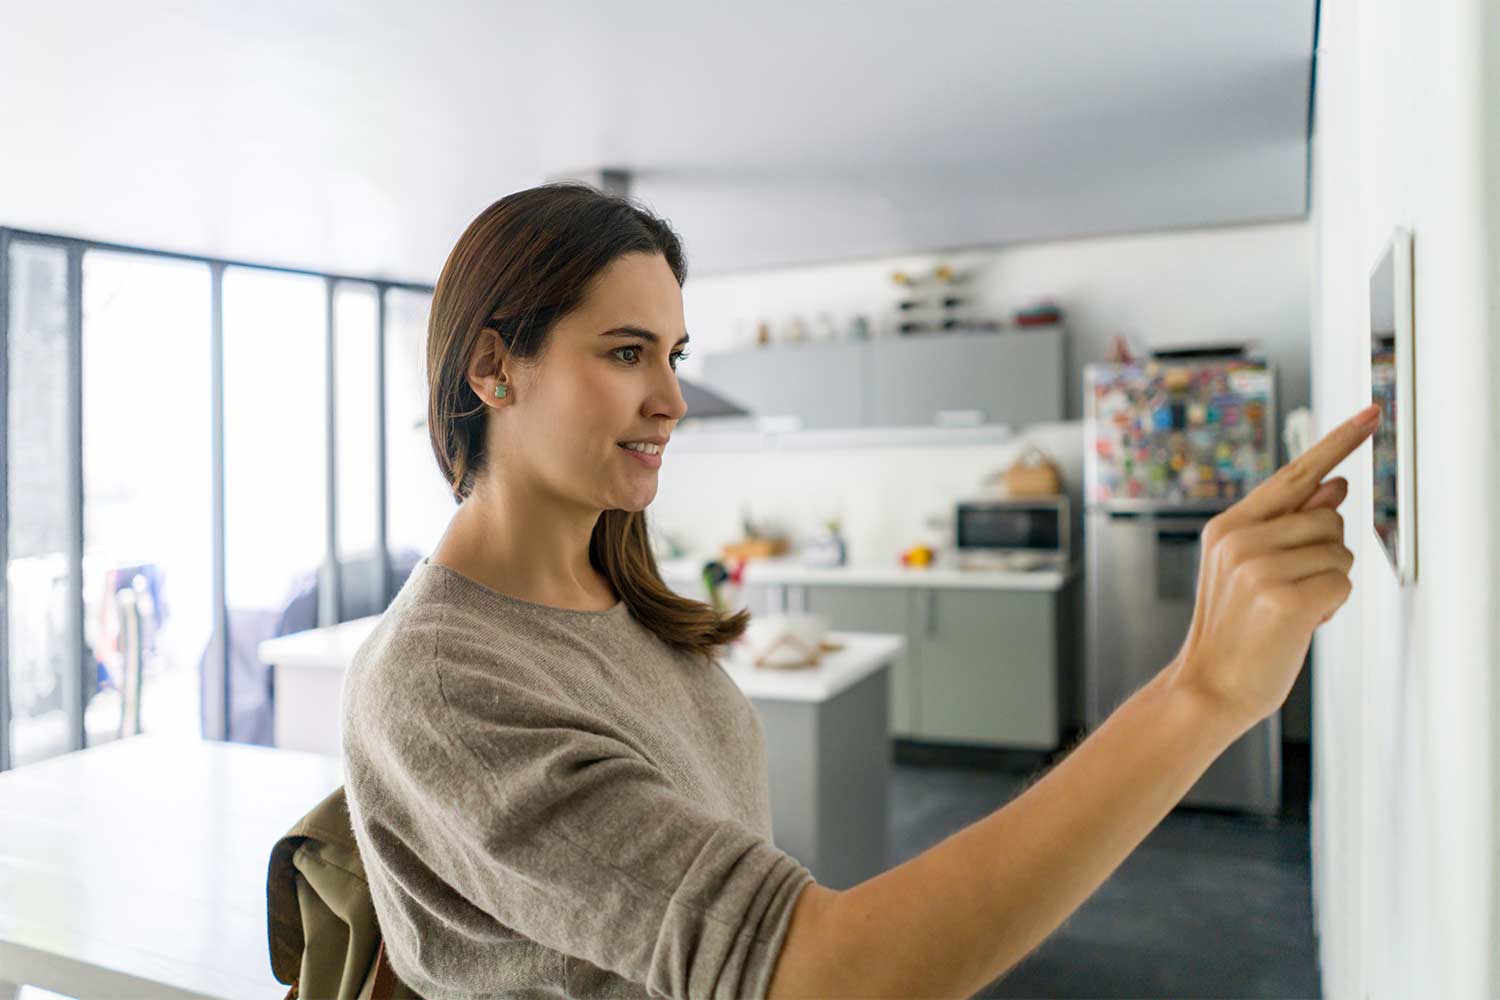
635 331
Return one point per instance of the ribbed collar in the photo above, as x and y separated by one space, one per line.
476 595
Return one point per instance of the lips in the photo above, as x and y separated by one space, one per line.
650 461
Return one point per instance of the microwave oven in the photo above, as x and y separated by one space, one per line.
1012 532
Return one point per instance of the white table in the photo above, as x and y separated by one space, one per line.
138 868
827 733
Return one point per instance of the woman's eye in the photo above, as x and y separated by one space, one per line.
676 355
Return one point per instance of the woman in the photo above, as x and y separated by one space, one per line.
557 791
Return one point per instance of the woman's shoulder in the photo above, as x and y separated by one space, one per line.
430 631
426 621
396 665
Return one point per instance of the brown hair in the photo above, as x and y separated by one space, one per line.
520 266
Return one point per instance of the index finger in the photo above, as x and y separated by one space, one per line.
1292 484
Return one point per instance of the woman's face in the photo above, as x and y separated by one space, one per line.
592 390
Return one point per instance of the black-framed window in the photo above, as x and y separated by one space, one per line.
195 458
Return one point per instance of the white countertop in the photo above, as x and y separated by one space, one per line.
786 570
138 868
862 655
330 648
333 648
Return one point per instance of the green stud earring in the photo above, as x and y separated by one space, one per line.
500 391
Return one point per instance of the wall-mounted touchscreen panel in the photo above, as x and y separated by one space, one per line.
1393 493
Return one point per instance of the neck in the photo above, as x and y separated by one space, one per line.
529 546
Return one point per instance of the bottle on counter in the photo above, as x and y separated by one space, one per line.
828 549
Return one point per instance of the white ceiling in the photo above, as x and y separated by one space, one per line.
362 137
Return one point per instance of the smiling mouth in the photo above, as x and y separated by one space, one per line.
645 458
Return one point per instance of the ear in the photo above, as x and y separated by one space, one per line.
487 365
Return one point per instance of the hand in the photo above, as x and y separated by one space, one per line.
1273 568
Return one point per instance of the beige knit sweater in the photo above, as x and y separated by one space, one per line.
556 803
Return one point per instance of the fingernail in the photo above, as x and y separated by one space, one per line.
1370 417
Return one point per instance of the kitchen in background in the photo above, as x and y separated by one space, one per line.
833 436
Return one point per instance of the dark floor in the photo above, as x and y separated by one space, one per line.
1212 903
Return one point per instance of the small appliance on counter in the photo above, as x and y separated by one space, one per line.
1012 533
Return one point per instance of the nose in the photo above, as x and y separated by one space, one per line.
667 400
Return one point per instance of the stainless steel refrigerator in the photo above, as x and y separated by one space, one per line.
1169 442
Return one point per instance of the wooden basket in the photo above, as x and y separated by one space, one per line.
755 548
1032 474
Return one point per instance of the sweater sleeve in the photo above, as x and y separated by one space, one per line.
558 828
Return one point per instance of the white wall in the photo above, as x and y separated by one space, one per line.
1404 811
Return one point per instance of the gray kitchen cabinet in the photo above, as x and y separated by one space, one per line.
823 385
875 609
988 666
759 598
1002 378
1014 378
